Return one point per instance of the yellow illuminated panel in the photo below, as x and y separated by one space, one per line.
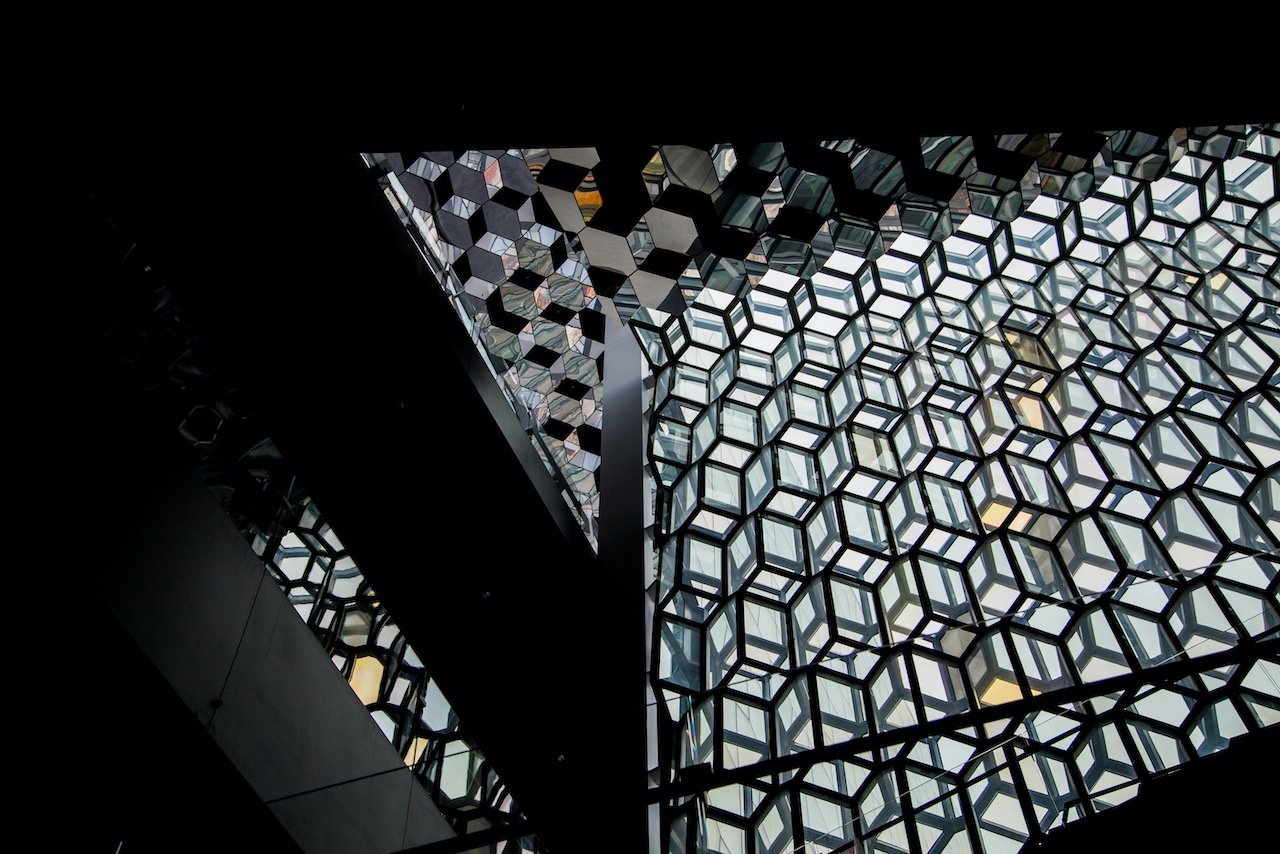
366 679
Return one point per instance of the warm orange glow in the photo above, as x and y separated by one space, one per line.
1030 409
589 202
366 679
1000 690
995 513
416 749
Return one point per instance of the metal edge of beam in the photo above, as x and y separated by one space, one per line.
1171 671
267 694
473 363
622 527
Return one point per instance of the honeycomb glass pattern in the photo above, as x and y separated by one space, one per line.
969 522
523 289
536 246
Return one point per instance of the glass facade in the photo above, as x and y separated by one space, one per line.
968 515
963 457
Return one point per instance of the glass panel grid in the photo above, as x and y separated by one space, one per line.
1040 457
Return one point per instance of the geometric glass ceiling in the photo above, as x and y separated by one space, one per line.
967 540
966 456
526 300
